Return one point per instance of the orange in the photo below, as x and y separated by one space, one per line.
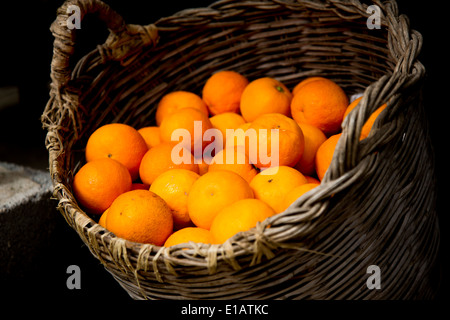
189 124
233 159
272 184
222 91
99 182
120 142
140 216
314 137
212 192
265 95
176 100
321 103
194 234
161 158
296 193
290 141
303 82
238 138
367 127
324 155
174 186
312 179
352 106
151 135
102 220
226 120
239 216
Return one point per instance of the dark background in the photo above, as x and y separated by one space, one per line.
25 55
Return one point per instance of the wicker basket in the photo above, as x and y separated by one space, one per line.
375 206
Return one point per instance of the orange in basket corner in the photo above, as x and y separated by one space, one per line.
99 182
140 216
120 142
321 103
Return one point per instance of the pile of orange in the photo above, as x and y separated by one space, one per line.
179 181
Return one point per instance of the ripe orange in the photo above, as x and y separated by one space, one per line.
296 193
272 184
238 138
140 216
120 142
303 82
312 179
194 234
233 159
213 191
151 135
321 103
99 182
352 106
239 216
177 100
222 91
102 220
164 157
290 141
226 120
182 124
314 137
367 127
265 95
324 155
174 186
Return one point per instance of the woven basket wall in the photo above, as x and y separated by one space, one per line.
375 206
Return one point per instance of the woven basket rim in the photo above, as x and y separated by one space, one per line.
259 243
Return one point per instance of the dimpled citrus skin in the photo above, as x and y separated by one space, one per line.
186 119
159 159
174 186
272 184
177 100
239 216
324 155
240 162
314 137
296 193
213 191
265 95
140 216
290 141
222 91
321 103
120 142
185 235
99 182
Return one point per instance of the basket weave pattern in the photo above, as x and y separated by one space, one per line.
375 206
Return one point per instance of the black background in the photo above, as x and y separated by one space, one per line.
25 54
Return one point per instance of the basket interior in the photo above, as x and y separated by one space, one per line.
286 44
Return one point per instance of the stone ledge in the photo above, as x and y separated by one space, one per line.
28 218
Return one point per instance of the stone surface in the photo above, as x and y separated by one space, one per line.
27 219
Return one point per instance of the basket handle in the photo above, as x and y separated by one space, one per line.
123 43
